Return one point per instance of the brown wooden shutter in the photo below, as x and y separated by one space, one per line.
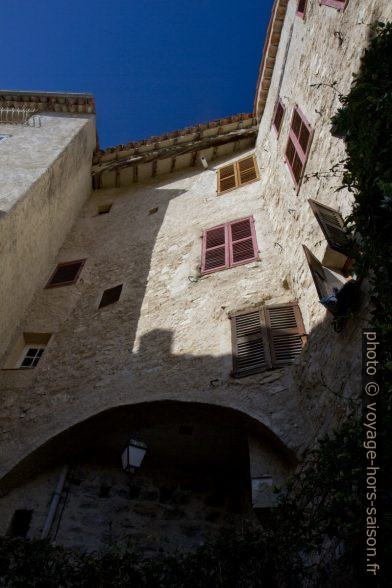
318 275
332 225
247 170
250 343
227 178
286 332
215 249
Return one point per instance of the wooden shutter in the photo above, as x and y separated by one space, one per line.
319 277
250 343
332 225
247 170
66 273
301 7
278 116
298 145
285 331
227 178
215 250
242 241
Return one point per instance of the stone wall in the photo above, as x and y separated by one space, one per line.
45 179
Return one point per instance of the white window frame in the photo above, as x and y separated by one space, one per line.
25 352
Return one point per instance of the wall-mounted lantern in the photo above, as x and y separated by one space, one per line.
133 455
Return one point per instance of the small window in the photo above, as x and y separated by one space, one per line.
66 273
338 4
278 116
298 145
3 138
104 208
301 6
110 296
237 174
267 337
229 245
31 356
20 523
27 351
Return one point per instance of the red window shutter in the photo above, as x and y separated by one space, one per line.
250 343
215 250
286 332
301 7
338 4
242 241
278 116
298 145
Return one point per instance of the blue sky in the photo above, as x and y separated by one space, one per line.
152 65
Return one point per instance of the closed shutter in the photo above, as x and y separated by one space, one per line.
332 225
242 238
286 332
237 174
250 343
301 7
319 278
278 116
227 178
247 170
215 250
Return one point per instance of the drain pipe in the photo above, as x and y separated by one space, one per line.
54 502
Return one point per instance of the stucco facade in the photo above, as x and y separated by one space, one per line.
161 358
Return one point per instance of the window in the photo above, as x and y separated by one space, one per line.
265 338
278 116
298 145
31 356
66 273
20 523
339 4
237 174
228 245
301 6
104 208
3 138
110 296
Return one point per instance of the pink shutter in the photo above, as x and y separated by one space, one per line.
338 4
298 145
278 116
242 241
215 251
301 7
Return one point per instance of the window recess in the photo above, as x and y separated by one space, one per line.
228 245
237 174
27 351
66 273
301 7
266 338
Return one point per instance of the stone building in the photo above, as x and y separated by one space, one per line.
160 291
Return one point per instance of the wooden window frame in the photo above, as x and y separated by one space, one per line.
70 282
266 335
339 5
237 178
300 13
302 155
278 129
228 245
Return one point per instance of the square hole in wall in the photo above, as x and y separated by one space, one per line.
104 208
66 273
110 296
